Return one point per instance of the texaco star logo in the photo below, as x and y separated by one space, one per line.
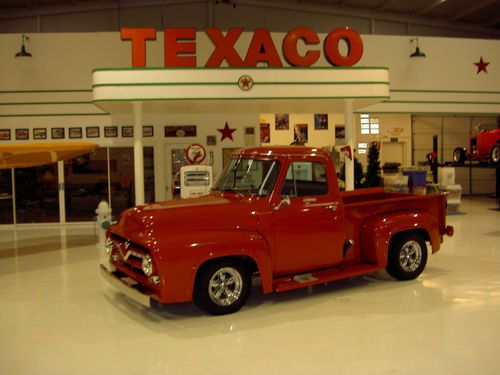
245 83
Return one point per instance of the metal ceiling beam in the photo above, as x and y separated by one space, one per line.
492 21
383 5
305 7
370 14
90 6
343 2
428 7
471 9
30 4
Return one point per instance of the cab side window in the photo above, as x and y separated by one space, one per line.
305 179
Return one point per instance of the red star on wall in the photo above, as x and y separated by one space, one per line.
481 65
227 132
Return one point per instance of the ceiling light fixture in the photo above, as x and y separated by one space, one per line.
23 52
417 52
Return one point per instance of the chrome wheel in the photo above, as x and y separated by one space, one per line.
495 154
459 155
225 286
410 256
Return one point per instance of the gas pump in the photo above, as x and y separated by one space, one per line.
195 180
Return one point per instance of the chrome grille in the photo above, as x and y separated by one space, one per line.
128 254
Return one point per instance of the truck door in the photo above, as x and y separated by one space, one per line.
309 232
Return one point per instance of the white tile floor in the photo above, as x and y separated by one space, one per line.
58 317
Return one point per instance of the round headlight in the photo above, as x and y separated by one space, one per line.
147 265
108 245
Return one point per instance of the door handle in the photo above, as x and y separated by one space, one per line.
332 206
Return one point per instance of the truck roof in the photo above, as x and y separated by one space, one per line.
283 151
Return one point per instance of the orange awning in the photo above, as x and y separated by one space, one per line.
35 154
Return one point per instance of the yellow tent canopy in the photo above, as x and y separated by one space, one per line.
35 154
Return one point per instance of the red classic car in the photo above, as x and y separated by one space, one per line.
275 213
485 146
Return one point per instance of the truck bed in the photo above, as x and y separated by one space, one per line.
362 204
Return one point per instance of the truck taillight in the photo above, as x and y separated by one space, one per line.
449 230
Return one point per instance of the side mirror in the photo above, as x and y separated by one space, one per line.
285 201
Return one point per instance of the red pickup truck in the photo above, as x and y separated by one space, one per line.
275 213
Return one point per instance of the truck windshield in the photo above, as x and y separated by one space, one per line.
249 176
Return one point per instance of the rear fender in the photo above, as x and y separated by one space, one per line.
377 231
192 252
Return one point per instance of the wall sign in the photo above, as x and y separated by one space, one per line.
195 153
180 47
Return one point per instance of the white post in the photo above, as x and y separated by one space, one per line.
62 205
349 141
138 154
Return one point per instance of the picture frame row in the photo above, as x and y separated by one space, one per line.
73 132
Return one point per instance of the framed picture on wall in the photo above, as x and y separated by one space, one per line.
75 132
211 140
340 134
180 131
127 131
22 134
281 121
321 121
111 131
147 131
4 134
265 133
57 133
40 133
300 134
92 132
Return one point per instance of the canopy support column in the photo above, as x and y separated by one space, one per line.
138 154
349 141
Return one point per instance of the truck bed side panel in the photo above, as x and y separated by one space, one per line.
360 205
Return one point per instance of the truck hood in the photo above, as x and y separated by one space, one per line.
145 224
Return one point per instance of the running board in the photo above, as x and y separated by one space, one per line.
284 284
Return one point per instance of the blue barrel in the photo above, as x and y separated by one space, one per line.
416 178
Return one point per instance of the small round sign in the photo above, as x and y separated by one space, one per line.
245 82
195 153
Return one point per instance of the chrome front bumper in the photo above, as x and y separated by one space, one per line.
125 287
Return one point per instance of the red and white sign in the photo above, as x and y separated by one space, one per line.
195 153
180 47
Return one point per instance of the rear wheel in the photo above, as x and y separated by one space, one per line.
407 256
495 154
222 287
459 155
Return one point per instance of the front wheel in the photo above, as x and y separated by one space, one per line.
222 287
495 154
407 256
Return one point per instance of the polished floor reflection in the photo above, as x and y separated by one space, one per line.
58 317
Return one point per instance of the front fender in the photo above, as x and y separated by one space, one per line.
179 261
377 231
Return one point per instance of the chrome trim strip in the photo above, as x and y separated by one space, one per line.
131 252
131 293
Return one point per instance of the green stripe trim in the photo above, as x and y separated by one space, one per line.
435 102
259 98
38 91
449 91
241 68
428 113
232 83
45 103
57 114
